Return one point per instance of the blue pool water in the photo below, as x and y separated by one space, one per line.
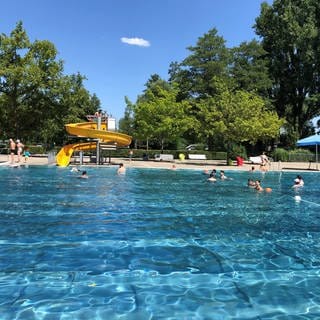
157 244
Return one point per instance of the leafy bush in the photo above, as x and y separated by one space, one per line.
237 150
280 154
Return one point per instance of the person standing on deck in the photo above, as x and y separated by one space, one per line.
12 150
20 147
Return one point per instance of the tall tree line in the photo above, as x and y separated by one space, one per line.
218 96
36 98
279 72
290 32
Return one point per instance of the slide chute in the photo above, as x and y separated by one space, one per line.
89 130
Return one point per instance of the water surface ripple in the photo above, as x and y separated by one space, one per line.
157 244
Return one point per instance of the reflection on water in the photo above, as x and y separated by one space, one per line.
157 244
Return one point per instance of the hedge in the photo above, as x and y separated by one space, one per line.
141 153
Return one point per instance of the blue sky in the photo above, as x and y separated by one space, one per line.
119 44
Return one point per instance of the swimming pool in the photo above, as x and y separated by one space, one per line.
157 244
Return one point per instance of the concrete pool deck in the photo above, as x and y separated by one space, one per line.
186 164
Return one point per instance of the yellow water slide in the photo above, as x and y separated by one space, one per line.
89 130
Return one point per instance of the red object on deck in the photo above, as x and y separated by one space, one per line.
239 161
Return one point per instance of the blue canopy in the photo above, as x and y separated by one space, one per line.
310 141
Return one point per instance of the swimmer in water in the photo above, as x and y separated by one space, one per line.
121 169
84 175
223 176
213 173
298 182
251 183
258 186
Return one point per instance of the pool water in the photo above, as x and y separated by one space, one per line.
157 244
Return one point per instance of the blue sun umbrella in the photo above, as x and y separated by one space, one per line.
310 141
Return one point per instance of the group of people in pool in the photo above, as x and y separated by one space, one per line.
84 174
213 175
255 184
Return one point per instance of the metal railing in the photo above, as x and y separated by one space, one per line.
301 157
4 150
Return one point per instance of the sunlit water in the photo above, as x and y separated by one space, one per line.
157 244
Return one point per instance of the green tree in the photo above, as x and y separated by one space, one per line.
196 77
250 68
236 117
157 114
126 124
12 60
74 103
290 36
36 99
208 60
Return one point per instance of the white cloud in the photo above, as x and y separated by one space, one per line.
136 42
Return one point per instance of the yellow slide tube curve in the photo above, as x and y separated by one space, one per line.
89 130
